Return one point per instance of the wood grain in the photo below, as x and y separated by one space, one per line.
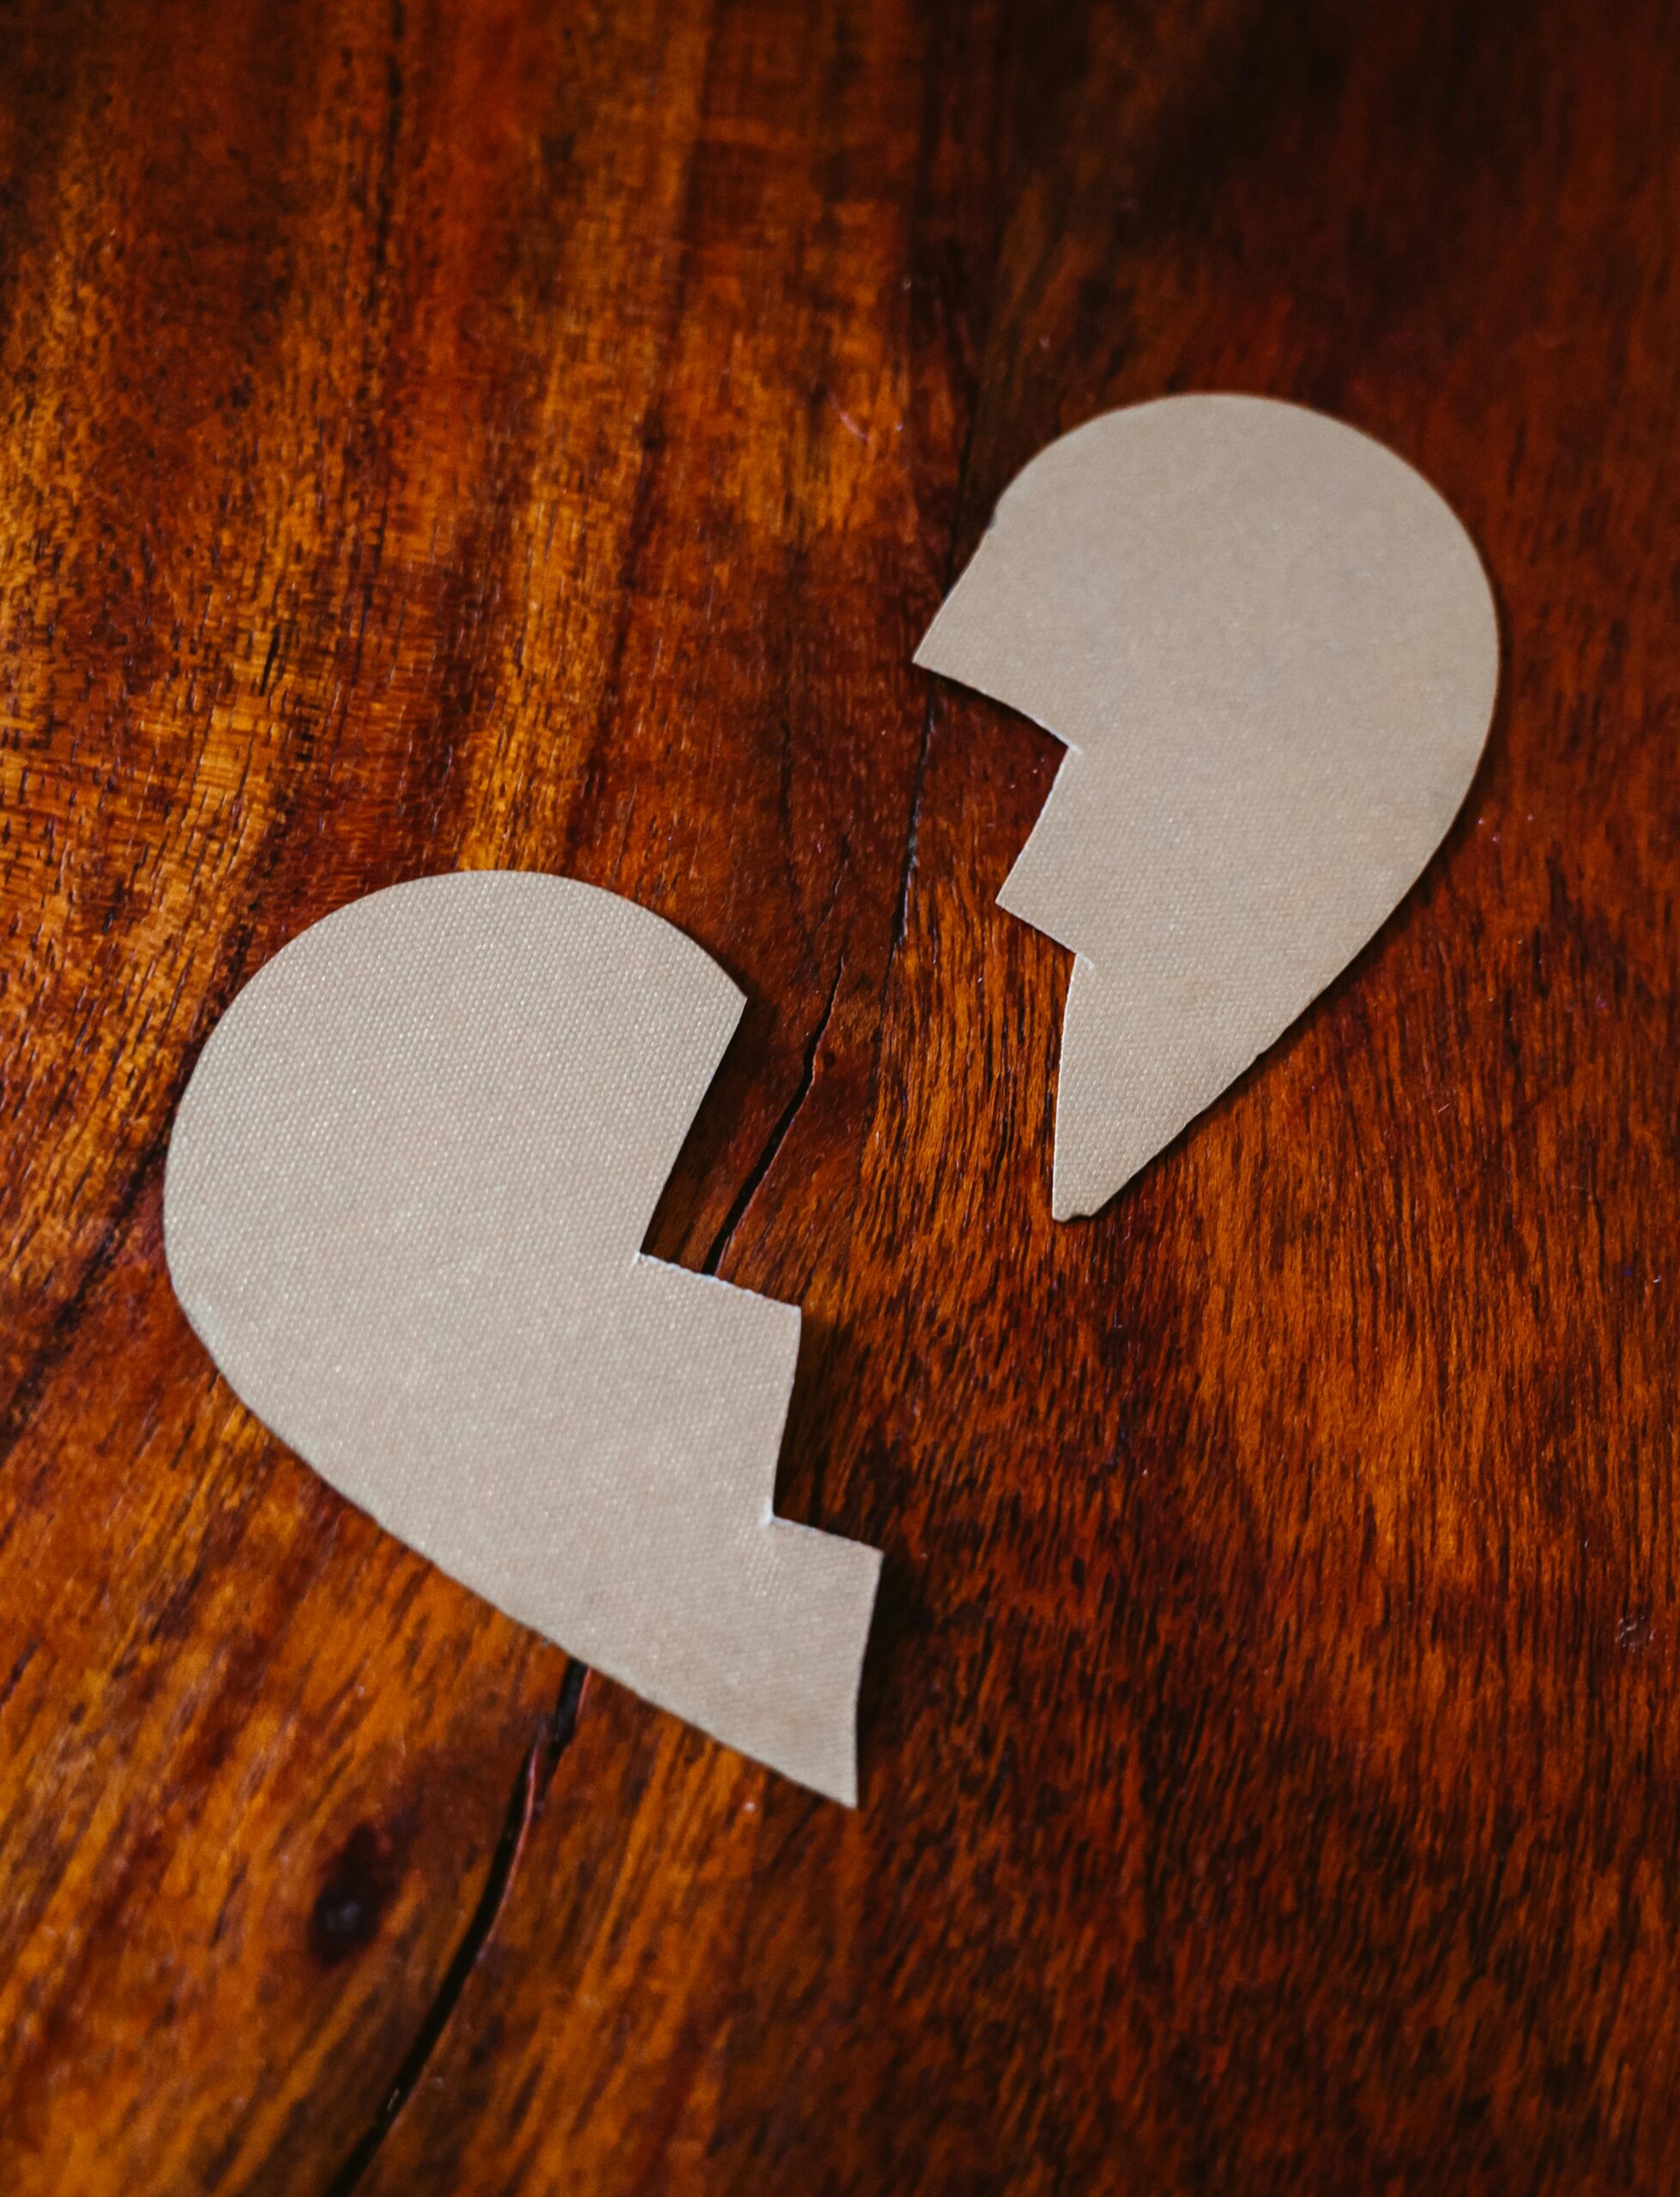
526 435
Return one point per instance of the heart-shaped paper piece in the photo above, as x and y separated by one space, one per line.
405 1199
1272 651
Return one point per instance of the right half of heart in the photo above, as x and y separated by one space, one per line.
1272 651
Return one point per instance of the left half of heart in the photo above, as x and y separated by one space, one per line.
405 1198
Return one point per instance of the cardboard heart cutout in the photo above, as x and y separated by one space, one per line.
1272 652
405 1195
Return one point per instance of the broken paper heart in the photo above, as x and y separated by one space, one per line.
405 1196
1272 651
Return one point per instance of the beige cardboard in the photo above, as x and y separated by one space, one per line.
404 1200
1272 650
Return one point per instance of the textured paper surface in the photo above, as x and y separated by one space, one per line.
405 1195
1272 651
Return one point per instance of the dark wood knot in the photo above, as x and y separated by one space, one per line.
353 1895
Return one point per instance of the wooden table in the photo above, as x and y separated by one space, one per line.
441 436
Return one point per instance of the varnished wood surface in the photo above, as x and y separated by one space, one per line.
434 436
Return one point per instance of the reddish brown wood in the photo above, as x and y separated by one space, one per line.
439 436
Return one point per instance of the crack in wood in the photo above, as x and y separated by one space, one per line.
778 1135
536 1772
